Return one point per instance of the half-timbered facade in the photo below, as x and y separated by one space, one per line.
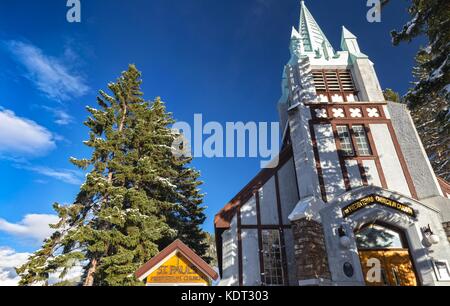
352 198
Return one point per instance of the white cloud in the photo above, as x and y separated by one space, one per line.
9 260
60 115
50 75
33 226
73 275
62 118
64 175
21 136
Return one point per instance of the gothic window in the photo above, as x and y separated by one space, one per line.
345 140
335 85
273 262
362 144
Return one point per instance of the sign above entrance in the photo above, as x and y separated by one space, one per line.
177 265
177 270
377 200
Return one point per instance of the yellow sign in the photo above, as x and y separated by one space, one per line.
177 270
375 199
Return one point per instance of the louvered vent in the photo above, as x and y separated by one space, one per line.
319 80
333 80
346 80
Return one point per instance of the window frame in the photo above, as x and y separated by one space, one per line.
358 146
397 234
354 141
280 272
349 138
381 224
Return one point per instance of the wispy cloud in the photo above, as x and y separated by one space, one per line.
61 116
33 226
23 137
50 75
64 175
10 259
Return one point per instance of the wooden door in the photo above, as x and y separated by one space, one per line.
395 266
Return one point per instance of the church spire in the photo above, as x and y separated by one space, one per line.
313 40
349 42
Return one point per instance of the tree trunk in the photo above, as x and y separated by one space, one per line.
89 281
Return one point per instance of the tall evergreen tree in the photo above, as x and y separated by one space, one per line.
188 215
126 206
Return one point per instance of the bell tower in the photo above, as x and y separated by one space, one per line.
343 135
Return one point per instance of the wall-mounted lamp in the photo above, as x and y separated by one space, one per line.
430 236
344 240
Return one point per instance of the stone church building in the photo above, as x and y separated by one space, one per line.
353 199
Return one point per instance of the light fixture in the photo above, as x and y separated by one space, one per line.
430 236
343 238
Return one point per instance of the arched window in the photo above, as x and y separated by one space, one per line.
375 236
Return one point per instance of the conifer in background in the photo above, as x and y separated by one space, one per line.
391 95
187 215
136 196
212 250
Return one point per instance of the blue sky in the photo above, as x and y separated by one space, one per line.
222 59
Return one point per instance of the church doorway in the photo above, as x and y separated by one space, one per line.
385 257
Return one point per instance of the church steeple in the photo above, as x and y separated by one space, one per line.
312 38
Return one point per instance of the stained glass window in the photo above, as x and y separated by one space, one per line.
273 262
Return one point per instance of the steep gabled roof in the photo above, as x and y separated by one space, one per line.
190 255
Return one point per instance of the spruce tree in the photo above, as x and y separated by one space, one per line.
187 215
391 95
130 200
430 18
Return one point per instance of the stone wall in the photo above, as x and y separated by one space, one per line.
310 251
